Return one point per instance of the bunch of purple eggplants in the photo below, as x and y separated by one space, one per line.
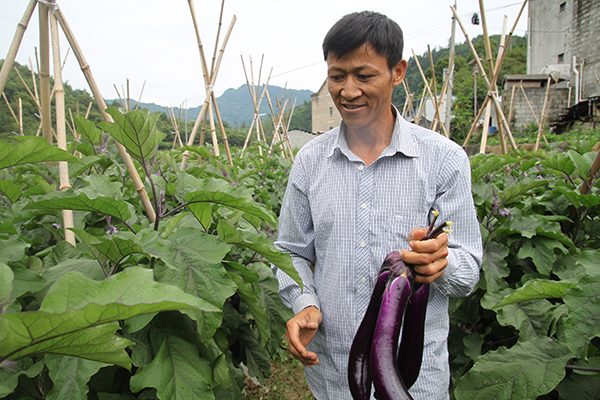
378 357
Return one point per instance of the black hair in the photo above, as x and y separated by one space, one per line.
356 29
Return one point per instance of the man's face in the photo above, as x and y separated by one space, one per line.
361 84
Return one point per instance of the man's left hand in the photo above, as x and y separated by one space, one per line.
427 256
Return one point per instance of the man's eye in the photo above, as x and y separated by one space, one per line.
364 77
335 78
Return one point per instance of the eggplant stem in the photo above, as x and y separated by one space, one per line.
436 214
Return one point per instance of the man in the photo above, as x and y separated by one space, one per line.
360 191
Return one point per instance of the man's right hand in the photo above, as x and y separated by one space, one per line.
300 331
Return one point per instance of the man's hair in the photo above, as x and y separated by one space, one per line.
356 29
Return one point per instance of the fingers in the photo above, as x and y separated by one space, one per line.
300 331
428 257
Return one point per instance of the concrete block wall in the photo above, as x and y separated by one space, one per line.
522 114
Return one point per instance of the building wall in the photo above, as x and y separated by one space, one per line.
562 29
299 138
324 114
522 114
548 26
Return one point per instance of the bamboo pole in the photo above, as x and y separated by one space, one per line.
16 42
10 109
85 68
45 73
20 117
59 99
209 91
433 99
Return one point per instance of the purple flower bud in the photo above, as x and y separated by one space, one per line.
56 225
505 212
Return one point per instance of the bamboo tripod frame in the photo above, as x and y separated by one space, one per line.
492 94
45 83
209 79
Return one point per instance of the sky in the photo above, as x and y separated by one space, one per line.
152 44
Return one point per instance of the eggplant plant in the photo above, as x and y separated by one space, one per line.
530 328
180 307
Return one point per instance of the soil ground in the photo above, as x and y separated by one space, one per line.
287 382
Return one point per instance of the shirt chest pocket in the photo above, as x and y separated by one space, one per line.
398 225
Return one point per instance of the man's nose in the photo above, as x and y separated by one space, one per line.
351 89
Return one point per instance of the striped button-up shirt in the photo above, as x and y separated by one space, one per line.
339 220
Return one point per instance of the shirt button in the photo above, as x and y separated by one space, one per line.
362 244
363 205
363 280
361 167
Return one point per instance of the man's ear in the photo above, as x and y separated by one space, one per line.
398 72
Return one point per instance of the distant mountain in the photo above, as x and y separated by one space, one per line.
235 105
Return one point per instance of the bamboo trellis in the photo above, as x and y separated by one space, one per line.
44 71
210 78
256 102
492 95
541 121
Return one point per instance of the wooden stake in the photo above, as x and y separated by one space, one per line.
133 173
45 73
59 97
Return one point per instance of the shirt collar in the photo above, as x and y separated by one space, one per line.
402 140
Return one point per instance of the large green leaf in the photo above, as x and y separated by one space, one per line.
113 249
494 266
537 289
69 200
262 246
13 250
6 285
192 262
88 130
525 371
515 192
177 372
9 377
12 190
584 313
531 318
220 192
136 131
76 303
253 298
580 200
32 150
560 164
70 376
541 250
483 165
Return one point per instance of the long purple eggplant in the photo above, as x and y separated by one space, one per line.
410 355
384 369
359 372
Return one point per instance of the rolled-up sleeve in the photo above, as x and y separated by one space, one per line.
296 237
455 202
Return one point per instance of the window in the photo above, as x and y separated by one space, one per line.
563 6
561 58
330 111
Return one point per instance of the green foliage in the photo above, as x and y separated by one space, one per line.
175 308
532 321
514 63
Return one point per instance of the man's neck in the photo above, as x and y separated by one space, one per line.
368 143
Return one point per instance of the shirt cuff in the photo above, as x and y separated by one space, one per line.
305 300
448 271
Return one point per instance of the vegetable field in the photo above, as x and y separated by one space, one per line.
184 305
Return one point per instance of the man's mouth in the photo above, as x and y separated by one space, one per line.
353 106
